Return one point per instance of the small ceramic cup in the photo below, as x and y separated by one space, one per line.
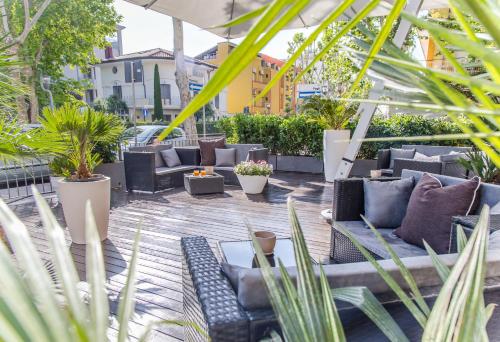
267 241
375 173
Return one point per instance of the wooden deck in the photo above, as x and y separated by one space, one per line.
166 217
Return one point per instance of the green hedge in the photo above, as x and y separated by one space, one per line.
301 135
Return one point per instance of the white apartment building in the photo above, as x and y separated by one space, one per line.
113 76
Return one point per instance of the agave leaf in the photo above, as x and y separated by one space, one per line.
241 56
362 298
10 327
442 269
242 18
407 276
99 306
63 264
287 318
37 277
332 318
127 302
487 14
461 239
307 285
152 325
458 312
420 317
354 21
312 38
18 304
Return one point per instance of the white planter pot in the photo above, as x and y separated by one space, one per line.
74 196
252 184
335 143
54 183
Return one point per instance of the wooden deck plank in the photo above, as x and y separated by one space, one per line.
168 216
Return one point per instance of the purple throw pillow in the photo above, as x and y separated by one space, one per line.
430 209
207 150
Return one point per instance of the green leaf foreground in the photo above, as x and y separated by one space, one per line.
434 83
33 308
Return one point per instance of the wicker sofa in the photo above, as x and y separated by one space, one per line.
348 205
214 305
447 164
145 169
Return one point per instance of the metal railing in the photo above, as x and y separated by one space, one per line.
16 178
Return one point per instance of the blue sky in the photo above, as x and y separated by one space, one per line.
147 29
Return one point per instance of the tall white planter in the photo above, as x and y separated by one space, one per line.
74 196
54 183
335 143
252 184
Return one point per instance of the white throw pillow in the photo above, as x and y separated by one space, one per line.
171 157
422 157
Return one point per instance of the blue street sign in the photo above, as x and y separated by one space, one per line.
306 94
196 87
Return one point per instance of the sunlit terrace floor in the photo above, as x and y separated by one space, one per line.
170 215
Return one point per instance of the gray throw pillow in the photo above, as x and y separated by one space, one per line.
494 240
171 157
400 153
159 162
225 157
386 202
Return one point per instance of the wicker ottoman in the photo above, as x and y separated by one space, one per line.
210 184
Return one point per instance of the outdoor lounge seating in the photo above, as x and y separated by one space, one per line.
348 205
243 313
445 163
145 169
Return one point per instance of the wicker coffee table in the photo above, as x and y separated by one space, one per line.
202 185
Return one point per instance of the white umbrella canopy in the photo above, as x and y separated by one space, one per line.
209 13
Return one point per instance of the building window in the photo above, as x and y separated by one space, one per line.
165 92
117 91
216 101
89 96
137 71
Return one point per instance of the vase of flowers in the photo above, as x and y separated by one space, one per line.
253 176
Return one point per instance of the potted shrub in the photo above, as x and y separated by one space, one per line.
253 175
334 116
60 167
81 130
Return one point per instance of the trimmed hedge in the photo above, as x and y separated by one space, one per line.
301 135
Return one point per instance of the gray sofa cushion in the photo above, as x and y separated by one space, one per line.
242 150
170 157
225 156
252 293
430 150
398 153
369 240
386 202
223 168
180 168
159 162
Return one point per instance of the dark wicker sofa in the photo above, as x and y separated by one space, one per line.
447 164
145 169
348 205
211 302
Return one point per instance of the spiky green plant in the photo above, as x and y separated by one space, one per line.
327 112
35 308
438 85
81 130
481 165
306 311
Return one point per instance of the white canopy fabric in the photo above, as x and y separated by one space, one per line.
210 13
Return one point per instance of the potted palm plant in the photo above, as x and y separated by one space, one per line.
334 116
81 130
253 176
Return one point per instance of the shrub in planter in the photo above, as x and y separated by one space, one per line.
253 175
482 166
81 131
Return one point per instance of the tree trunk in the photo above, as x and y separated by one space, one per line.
181 77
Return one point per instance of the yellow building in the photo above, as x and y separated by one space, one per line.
249 83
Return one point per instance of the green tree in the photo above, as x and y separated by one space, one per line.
158 109
65 34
